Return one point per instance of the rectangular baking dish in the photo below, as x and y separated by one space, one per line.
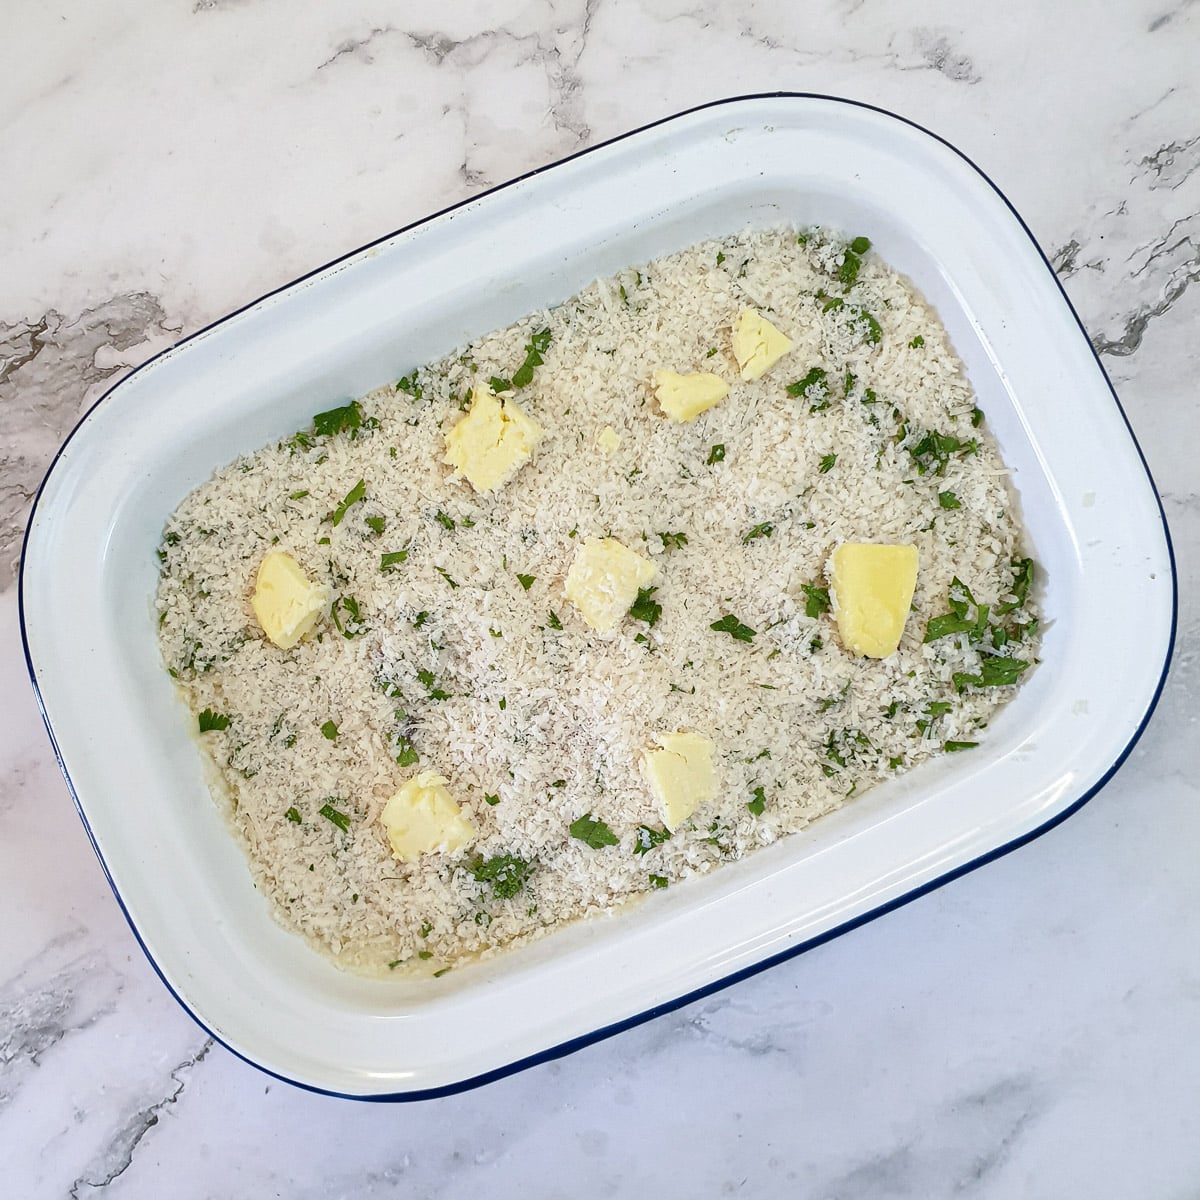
124 739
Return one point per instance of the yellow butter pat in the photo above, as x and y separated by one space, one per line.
490 444
680 774
683 397
286 604
604 580
608 439
421 818
757 344
872 589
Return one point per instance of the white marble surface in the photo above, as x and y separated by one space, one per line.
1032 1029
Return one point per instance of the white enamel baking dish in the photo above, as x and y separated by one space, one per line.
89 572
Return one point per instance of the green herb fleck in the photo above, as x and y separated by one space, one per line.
293 815
446 576
720 257
213 720
429 681
446 522
391 559
347 419
731 625
340 819
1022 578
916 343
659 881
763 530
645 608
506 873
376 524
352 497
592 832
409 384
297 495
813 387
553 621
995 671
330 730
354 626
759 802
827 461
949 500
526 581
646 838
406 754
816 600
716 454
493 800
953 747
673 541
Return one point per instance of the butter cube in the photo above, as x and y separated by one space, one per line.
872 589
421 818
489 445
604 580
680 774
757 344
608 439
683 397
286 604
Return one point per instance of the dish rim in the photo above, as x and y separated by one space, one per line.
605 1031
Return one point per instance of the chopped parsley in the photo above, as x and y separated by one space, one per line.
716 454
391 559
916 343
1022 578
354 625
592 832
720 257
291 496
827 461
446 522
429 681
553 621
506 873
816 600
949 500
213 720
353 496
409 385
493 800
330 730
347 419
376 524
646 838
731 625
659 881
959 619
673 541
759 802
852 261
932 452
813 387
523 375
293 815
406 754
645 608
446 576
526 581
997 671
952 747
340 819
763 530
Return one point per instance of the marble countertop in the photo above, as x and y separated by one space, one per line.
1031 1029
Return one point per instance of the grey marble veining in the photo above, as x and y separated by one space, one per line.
1032 1029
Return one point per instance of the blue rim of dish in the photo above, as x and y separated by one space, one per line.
578 1043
